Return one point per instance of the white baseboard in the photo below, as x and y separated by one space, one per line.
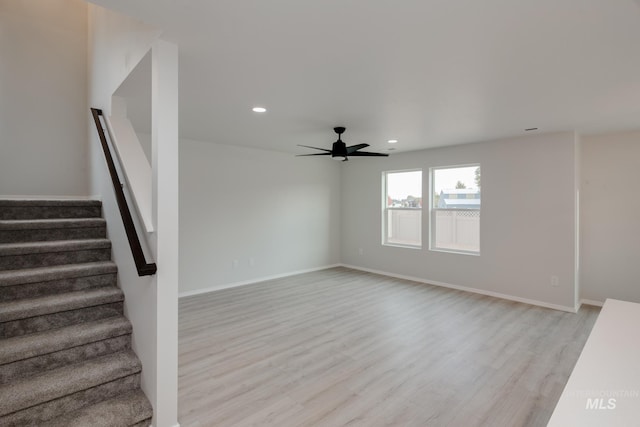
591 302
467 289
20 197
252 281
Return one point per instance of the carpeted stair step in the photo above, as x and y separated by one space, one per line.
38 230
130 409
49 209
65 345
52 393
25 316
22 309
15 256
30 354
34 282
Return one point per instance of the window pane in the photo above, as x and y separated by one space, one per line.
404 189
456 188
457 230
456 209
403 208
404 227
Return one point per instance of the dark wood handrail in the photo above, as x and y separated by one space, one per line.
144 268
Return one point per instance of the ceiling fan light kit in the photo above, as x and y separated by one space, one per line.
340 151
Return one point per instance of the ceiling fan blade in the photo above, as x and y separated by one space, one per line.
314 154
365 153
315 148
355 148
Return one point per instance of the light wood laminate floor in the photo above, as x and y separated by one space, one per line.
340 347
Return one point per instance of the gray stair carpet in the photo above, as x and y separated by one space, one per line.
65 345
51 229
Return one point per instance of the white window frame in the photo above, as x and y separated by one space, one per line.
386 210
433 212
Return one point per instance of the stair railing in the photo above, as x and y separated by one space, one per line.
144 268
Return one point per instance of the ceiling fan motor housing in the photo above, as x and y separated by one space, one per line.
339 149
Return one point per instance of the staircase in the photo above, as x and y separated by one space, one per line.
65 346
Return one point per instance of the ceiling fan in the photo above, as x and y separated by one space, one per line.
340 151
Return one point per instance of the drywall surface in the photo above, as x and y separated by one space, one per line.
117 44
165 141
145 143
527 221
43 98
610 217
247 214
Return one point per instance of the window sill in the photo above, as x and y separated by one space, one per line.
456 252
399 245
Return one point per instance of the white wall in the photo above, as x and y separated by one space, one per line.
145 143
165 183
526 228
245 204
117 44
610 217
43 98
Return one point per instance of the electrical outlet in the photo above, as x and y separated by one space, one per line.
555 282
235 264
252 262
360 251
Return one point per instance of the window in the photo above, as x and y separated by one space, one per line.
455 209
402 201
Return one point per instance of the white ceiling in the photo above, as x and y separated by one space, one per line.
426 72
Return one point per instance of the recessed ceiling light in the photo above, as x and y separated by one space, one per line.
392 141
259 110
